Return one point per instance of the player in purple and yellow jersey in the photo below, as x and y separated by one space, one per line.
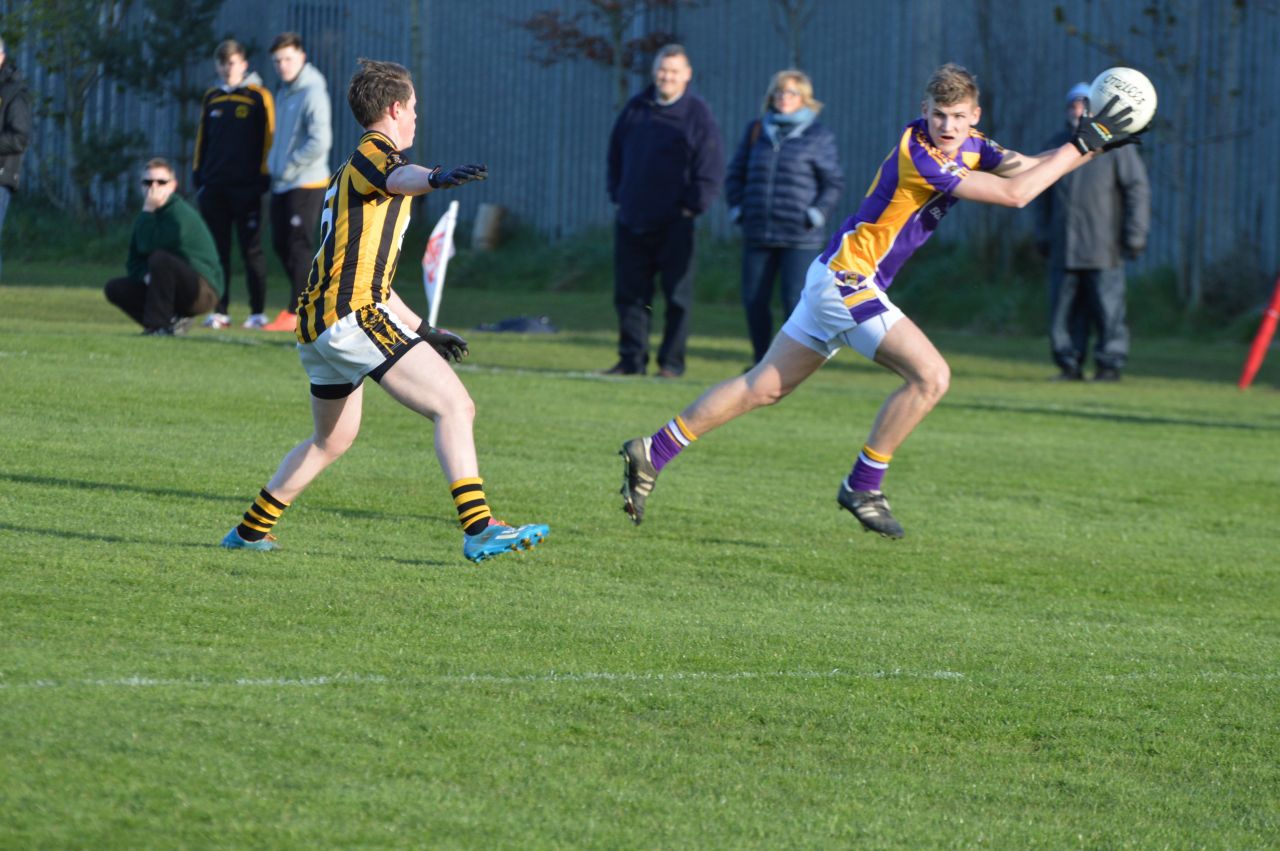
939 159
351 325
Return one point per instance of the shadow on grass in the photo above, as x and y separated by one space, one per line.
117 487
1110 416
106 539
433 563
275 340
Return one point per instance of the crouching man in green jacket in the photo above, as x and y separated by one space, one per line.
172 260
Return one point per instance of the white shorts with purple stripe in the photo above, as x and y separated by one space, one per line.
834 313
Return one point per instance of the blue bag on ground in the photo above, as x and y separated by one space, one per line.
520 325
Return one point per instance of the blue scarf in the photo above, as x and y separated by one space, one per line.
781 125
787 121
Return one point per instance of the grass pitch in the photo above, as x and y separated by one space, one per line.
1075 646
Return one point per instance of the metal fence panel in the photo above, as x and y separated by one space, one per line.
543 130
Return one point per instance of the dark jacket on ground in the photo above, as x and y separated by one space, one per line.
178 229
1094 216
15 123
776 175
234 136
664 159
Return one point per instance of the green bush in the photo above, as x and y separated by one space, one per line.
36 231
980 288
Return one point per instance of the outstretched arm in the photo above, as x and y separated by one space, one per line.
416 180
1026 183
1015 163
1018 186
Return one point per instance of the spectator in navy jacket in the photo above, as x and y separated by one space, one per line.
666 163
782 187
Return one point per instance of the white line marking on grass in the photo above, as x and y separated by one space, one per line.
553 677
500 679
676 676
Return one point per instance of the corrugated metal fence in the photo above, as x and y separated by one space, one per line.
543 130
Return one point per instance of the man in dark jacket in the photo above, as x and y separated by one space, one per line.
666 163
172 260
1088 224
15 129
237 120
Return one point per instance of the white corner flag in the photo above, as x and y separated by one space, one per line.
435 260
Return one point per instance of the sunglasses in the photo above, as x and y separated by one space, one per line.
146 181
792 92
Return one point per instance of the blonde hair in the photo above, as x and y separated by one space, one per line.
802 84
950 84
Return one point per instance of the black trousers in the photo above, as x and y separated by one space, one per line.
760 265
238 207
665 253
1085 301
175 290
295 216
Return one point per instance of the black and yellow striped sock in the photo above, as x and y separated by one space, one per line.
261 517
473 510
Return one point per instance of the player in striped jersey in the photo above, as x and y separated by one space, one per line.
352 324
939 158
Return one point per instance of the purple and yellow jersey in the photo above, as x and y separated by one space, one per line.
908 197
361 228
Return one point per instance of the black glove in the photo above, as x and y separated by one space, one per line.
1133 252
1104 131
446 343
1131 139
441 179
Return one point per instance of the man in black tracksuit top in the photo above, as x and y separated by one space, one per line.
666 164
237 122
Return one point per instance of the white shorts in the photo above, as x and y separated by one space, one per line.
834 313
363 343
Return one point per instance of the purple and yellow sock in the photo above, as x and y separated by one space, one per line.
473 508
668 441
868 471
261 517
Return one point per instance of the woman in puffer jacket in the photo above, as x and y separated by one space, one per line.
782 188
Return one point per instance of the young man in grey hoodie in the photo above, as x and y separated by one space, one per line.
299 165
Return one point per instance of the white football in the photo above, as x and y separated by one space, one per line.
1134 90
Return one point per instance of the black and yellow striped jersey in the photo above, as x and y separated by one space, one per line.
361 229
234 135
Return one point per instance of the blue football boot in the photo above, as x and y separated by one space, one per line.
233 541
498 538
